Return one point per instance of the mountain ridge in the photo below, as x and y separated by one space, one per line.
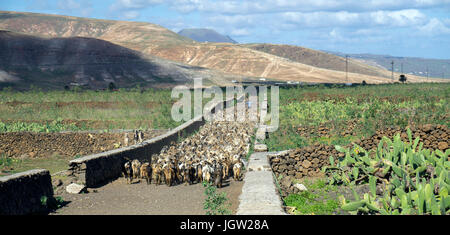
60 61
232 61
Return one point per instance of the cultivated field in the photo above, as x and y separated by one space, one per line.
367 173
48 128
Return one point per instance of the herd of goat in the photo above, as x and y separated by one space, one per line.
213 155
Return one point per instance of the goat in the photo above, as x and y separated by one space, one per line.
146 172
237 171
136 165
169 174
140 136
136 136
128 172
207 170
218 174
126 140
156 173
199 173
187 174
226 169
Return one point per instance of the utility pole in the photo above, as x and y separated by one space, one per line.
392 76
346 67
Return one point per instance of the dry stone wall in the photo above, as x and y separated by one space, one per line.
21 193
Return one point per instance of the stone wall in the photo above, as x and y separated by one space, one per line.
21 193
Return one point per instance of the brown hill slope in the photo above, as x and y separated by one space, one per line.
56 62
316 58
152 39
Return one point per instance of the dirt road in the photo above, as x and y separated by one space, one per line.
119 198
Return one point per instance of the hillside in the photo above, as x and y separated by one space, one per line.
205 35
316 58
56 62
438 68
236 62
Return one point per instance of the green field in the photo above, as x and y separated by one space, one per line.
370 107
403 177
55 111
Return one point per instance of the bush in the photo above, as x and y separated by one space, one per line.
215 204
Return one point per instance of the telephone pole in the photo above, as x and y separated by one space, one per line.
346 67
392 76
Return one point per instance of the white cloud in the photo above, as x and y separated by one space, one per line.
400 18
240 32
273 6
133 4
130 15
84 8
434 27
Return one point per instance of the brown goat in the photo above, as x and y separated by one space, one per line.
237 171
156 174
226 169
169 175
199 173
146 172
136 165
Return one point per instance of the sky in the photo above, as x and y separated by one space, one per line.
413 28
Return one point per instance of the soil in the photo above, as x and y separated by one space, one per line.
27 145
120 198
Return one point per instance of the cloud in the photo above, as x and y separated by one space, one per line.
399 18
240 32
129 9
130 15
274 6
83 8
134 4
434 27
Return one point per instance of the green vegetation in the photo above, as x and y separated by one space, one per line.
9 162
55 163
53 126
413 180
55 111
314 201
369 107
215 203
52 203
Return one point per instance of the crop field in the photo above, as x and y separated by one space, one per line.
364 150
48 128
55 111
